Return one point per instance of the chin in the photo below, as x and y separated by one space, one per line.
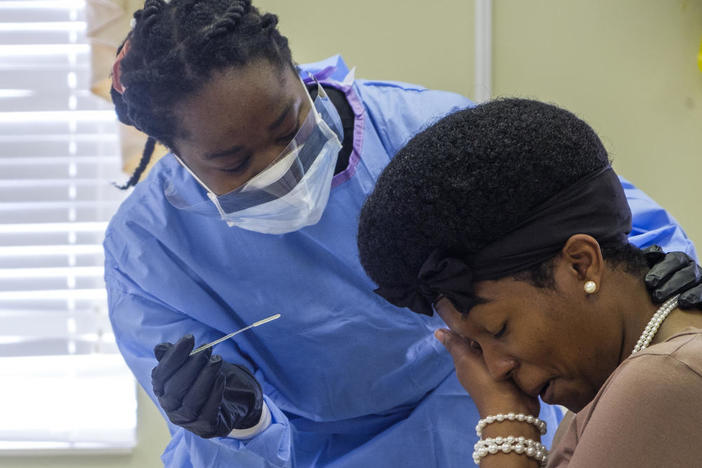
575 401
574 407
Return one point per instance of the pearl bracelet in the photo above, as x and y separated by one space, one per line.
540 424
518 445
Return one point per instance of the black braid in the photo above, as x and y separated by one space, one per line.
175 47
143 162
226 23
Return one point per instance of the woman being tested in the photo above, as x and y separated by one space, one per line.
508 220
254 213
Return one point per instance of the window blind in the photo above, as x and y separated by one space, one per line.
64 385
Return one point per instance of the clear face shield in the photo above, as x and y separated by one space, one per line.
293 190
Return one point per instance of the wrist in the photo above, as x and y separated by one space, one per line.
516 436
507 407
259 427
513 428
524 425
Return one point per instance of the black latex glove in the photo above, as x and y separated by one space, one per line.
202 393
671 273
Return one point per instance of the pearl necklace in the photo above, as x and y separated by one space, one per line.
655 323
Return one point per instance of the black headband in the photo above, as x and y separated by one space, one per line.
595 205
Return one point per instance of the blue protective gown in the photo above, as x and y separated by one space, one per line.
350 380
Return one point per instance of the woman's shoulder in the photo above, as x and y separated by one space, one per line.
384 96
683 348
399 110
663 378
658 378
658 370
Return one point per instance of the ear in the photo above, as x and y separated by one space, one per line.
582 261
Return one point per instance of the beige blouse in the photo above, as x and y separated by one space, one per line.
647 414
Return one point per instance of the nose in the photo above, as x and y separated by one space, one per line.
500 365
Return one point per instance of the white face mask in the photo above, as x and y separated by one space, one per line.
293 191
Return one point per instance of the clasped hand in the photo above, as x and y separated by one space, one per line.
489 395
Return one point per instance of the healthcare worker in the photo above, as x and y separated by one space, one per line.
255 213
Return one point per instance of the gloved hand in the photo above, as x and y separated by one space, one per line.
671 273
202 393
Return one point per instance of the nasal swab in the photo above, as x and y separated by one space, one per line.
224 338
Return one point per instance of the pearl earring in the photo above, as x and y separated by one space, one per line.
590 287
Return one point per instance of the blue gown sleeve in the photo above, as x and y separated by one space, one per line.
400 110
653 225
140 321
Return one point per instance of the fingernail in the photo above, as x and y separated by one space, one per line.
440 335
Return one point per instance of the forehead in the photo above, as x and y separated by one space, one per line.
237 100
499 299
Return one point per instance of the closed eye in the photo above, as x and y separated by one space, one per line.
239 168
286 139
502 331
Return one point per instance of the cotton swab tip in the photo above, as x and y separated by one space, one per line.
266 320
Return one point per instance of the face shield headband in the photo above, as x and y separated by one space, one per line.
595 205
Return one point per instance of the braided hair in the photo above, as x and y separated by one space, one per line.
175 47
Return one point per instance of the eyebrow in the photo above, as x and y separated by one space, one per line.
281 118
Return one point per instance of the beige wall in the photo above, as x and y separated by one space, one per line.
429 43
626 66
